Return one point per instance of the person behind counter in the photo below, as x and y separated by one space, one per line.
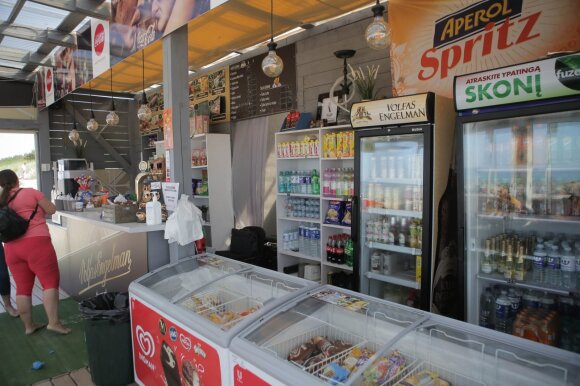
5 285
32 255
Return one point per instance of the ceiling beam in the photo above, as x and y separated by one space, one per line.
22 56
37 35
14 73
93 8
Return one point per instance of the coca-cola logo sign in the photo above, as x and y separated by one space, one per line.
49 80
99 40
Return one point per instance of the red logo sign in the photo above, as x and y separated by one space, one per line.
49 80
99 39
244 377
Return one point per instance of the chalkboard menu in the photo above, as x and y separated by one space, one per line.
254 94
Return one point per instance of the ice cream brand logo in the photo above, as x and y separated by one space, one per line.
95 270
99 42
362 114
185 342
144 37
172 333
199 351
145 341
239 376
49 80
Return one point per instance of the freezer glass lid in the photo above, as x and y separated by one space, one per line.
177 280
230 299
331 334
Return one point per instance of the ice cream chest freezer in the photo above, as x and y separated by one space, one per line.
184 316
333 336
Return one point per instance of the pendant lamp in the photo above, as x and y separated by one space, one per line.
112 118
92 124
74 135
272 64
144 112
378 33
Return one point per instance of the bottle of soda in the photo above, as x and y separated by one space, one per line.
486 309
315 181
509 264
339 259
348 252
486 259
329 256
502 313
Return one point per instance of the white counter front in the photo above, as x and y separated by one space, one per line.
94 216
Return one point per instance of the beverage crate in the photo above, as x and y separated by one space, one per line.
118 214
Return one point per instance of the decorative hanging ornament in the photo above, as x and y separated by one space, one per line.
74 135
378 33
272 64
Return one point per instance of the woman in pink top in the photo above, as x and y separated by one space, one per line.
32 255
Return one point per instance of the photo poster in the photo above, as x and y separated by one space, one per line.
136 24
39 88
155 102
431 45
64 71
325 109
48 85
213 88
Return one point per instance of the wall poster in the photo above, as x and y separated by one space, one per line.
208 96
431 43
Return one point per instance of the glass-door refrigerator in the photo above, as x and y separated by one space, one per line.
402 149
519 208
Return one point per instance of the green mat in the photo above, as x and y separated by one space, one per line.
60 353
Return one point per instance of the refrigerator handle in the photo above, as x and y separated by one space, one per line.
354 220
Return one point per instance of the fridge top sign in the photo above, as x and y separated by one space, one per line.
532 81
394 111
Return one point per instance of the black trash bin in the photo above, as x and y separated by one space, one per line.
108 338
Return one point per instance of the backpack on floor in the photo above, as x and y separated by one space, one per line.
12 225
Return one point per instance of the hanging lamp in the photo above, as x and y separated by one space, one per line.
112 118
272 64
74 135
378 33
144 112
92 124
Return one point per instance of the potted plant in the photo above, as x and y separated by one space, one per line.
365 81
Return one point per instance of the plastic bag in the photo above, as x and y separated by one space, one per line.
108 306
184 224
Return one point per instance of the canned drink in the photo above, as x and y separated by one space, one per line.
388 264
414 232
376 262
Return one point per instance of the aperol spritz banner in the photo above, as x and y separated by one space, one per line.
433 41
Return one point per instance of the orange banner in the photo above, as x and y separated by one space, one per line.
434 41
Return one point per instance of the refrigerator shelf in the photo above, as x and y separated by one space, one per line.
300 255
343 227
401 278
336 158
297 158
299 195
301 219
398 181
339 198
395 248
394 212
341 266
526 168
531 217
497 278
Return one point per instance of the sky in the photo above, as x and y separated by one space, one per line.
15 144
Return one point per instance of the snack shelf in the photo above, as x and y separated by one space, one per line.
405 279
394 212
343 227
339 198
298 132
301 219
498 278
298 158
299 195
199 167
299 255
341 266
337 158
336 127
394 248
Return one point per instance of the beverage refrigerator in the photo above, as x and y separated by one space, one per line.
334 336
184 316
402 158
519 206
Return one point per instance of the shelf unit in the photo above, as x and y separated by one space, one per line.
147 150
285 223
219 200
405 279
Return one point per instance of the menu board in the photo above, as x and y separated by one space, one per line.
253 94
213 89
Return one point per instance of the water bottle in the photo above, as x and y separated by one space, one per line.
301 235
486 309
282 183
515 301
567 268
553 267
315 242
502 313
539 267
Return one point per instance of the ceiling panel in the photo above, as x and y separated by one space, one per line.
40 16
27 45
5 8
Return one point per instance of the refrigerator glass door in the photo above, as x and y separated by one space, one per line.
391 216
445 352
231 298
177 280
329 328
522 225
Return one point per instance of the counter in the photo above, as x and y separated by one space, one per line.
95 256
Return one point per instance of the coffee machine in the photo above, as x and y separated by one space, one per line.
67 170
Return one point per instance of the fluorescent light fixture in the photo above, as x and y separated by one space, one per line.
104 96
229 56
287 34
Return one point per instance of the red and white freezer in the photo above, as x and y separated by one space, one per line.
184 316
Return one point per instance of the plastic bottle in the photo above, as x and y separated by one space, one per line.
486 266
553 267
486 309
539 267
301 236
502 313
153 212
315 182
326 183
348 252
515 304
567 268
282 183
332 176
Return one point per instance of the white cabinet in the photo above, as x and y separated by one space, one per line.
302 157
211 170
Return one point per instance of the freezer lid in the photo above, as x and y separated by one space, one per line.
340 320
174 281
